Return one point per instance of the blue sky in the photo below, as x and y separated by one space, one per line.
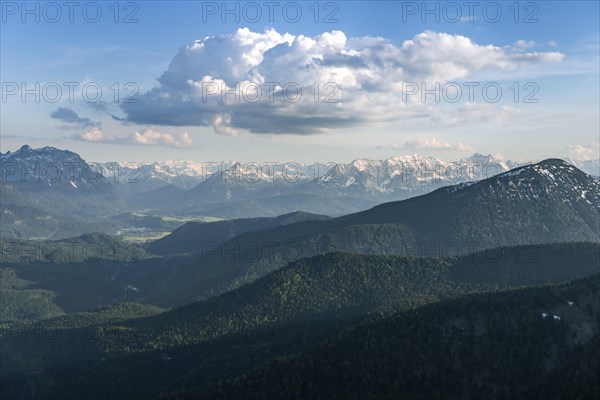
372 51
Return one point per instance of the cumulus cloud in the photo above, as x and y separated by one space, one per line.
583 152
523 45
280 83
222 124
71 117
149 137
95 135
434 144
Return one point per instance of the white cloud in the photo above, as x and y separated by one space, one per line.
94 135
435 144
523 44
583 152
225 81
222 125
149 137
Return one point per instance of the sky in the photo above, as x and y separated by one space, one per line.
301 81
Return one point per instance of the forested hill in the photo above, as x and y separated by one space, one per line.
287 311
536 343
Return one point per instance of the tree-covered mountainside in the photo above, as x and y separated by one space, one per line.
537 343
341 284
87 247
287 311
409 287
22 217
177 280
97 317
549 202
21 301
196 237
43 279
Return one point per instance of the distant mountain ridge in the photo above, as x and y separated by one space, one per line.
227 189
51 167
238 190
49 192
147 176
548 202
284 173
195 236
42 185
281 297
182 173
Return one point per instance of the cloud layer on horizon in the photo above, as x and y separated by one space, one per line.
149 137
583 152
429 144
434 144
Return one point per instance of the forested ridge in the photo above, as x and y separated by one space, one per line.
290 312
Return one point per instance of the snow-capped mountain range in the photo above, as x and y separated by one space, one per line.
147 176
374 175
409 172
230 188
42 184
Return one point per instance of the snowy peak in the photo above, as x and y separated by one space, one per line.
555 170
478 157
591 167
49 166
152 175
256 176
547 181
399 176
410 173
376 177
